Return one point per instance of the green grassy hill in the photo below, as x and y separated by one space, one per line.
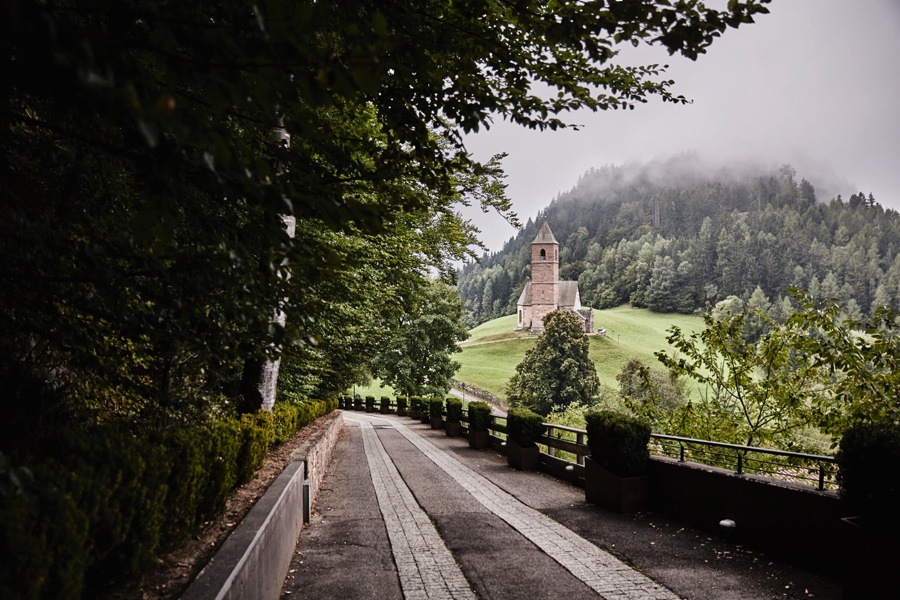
490 355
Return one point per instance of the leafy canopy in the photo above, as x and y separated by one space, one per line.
150 149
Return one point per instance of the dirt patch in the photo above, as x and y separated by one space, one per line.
178 568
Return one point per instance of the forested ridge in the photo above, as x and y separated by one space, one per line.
673 236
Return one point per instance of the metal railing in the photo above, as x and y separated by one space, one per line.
795 467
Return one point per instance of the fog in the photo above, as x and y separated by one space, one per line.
816 84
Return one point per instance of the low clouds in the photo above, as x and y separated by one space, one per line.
815 83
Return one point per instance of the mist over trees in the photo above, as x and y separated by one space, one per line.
673 236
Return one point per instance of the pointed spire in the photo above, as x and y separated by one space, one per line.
545 236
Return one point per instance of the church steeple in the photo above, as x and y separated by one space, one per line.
545 236
544 276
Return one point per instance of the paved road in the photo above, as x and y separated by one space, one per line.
408 513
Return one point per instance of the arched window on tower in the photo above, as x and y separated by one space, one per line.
543 254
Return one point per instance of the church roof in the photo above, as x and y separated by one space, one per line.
545 236
568 293
525 296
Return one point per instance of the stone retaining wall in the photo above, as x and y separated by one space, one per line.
253 562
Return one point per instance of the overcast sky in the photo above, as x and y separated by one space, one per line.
815 83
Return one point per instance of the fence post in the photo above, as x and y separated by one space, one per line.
550 430
579 439
821 476
740 465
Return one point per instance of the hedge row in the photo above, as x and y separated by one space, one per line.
107 501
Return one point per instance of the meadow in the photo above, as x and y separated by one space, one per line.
490 355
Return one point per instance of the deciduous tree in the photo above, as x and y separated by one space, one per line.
556 371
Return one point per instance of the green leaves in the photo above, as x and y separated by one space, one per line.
557 370
416 358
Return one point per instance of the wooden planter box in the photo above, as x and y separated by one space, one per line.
523 458
478 439
437 423
626 495
385 411
401 412
413 414
453 429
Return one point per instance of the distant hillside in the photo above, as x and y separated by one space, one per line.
671 236
490 355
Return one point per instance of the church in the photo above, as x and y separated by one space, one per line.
545 293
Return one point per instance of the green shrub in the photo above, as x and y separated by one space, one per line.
357 402
385 404
524 426
454 410
425 411
401 403
370 403
867 460
415 407
257 436
101 507
286 421
436 408
187 481
44 542
224 439
479 416
618 442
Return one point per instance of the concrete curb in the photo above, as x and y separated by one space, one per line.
253 562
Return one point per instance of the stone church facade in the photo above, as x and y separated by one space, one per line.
545 293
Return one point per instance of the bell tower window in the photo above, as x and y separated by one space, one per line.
543 254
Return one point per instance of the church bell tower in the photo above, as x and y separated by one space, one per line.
544 276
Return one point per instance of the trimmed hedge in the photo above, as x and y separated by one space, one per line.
867 459
454 410
479 416
415 407
385 404
425 410
524 426
109 500
618 442
436 408
401 403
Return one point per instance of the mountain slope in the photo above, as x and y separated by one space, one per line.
673 236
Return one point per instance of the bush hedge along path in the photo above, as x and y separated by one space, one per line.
175 569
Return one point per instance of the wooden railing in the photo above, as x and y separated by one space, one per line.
563 450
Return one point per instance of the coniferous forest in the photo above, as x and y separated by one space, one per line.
675 236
